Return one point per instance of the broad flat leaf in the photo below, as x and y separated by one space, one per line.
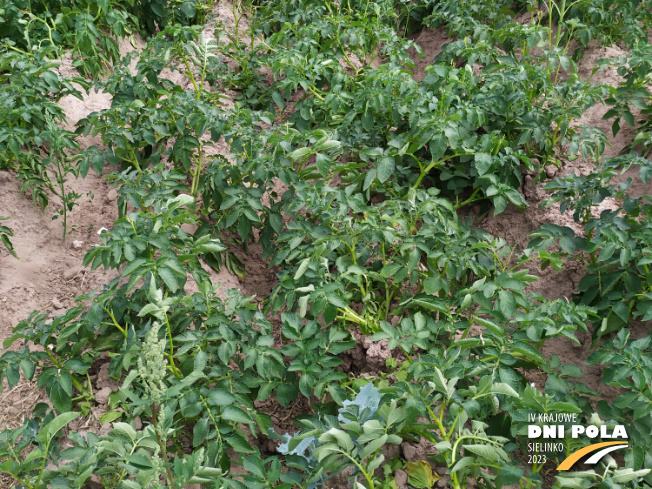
52 428
626 475
507 303
487 451
330 144
218 397
286 393
432 285
169 277
483 163
390 270
420 474
491 325
28 367
385 168
335 300
254 465
510 474
303 266
367 399
235 414
438 146
239 444
300 153
300 449
374 446
61 400
570 370
505 389
182 200
342 439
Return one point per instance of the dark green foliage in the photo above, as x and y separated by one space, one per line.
374 164
5 234
616 244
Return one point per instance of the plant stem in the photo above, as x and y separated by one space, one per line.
434 164
161 444
170 355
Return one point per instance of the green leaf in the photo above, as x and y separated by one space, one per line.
303 266
490 452
254 465
390 270
340 437
199 432
510 474
505 389
327 145
373 446
235 414
335 300
28 368
433 285
75 365
286 393
438 146
110 417
239 444
169 278
385 168
300 153
491 325
570 370
129 484
483 162
182 200
61 400
426 302
52 428
218 397
564 407
139 461
507 303
441 384
278 99
626 475
529 352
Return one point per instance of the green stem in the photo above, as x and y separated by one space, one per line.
196 173
26 54
434 164
467 201
312 90
438 422
191 76
364 472
115 322
45 459
469 437
24 483
161 444
170 355
61 181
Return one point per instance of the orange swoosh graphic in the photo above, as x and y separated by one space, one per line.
571 459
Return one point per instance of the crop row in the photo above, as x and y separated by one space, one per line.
366 241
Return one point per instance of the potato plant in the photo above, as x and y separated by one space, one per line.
5 234
366 239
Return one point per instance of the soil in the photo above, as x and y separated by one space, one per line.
49 273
